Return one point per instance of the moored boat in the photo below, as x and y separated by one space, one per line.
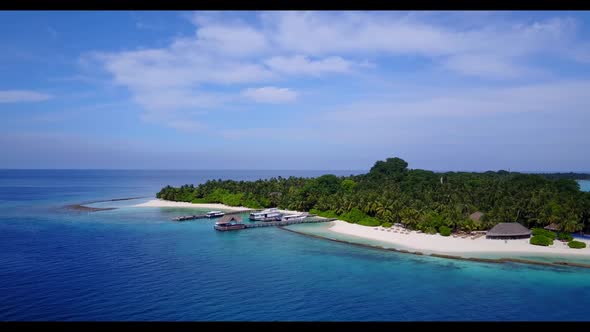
295 217
272 214
214 214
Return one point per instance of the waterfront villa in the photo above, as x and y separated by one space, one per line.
508 231
476 216
552 227
228 223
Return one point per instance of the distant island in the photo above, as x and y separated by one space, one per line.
423 200
570 175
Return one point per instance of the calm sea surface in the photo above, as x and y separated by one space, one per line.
135 264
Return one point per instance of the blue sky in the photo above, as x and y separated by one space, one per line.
295 90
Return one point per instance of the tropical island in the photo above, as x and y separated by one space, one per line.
392 197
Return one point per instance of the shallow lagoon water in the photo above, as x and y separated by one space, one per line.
136 264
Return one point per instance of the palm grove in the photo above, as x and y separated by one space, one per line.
419 199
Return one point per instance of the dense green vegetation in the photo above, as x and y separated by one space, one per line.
541 240
543 232
419 199
444 231
577 244
565 237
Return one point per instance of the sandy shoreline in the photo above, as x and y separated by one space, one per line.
210 206
428 243
437 243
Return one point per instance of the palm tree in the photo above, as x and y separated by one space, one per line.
380 209
570 226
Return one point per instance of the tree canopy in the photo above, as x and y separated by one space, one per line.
420 199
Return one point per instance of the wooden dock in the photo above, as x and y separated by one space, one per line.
203 216
309 220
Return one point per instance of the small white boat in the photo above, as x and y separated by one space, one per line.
294 217
266 215
214 214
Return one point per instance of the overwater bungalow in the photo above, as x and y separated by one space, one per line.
228 223
508 231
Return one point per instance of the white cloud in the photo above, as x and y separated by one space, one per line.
232 40
18 96
496 43
168 100
487 66
270 94
300 64
187 125
566 96
230 53
167 81
273 134
178 66
320 33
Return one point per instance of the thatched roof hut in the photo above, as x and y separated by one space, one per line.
508 230
552 227
476 216
228 218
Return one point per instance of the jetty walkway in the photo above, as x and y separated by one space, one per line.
203 216
308 220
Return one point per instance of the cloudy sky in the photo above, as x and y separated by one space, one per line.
295 90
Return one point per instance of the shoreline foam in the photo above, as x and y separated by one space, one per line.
500 260
436 243
418 242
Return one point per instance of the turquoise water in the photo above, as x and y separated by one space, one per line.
324 231
584 185
136 264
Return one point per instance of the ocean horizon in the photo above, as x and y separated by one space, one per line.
132 264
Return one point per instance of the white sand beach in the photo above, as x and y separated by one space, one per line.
436 243
412 240
211 206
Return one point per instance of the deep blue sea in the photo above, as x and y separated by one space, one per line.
135 264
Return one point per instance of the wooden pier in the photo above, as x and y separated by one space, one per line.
309 220
203 216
